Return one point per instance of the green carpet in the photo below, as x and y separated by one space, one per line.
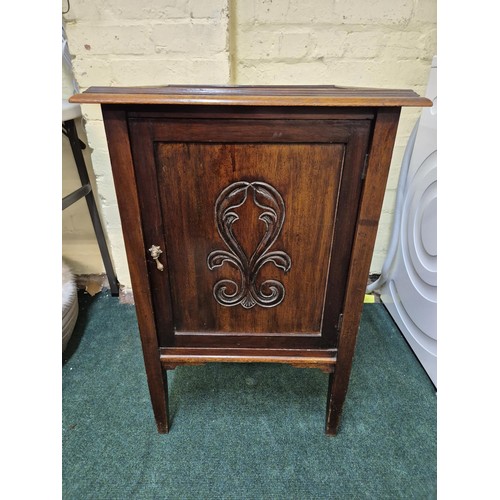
242 431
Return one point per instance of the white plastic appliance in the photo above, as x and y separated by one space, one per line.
410 288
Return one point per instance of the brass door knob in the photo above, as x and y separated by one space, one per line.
155 252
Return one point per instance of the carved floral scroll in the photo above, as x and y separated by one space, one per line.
249 292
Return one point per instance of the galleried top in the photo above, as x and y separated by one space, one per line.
251 95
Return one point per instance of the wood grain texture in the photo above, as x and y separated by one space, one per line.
372 197
252 96
206 170
294 159
183 165
320 359
153 227
238 112
126 190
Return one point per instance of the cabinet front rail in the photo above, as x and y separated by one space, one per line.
325 360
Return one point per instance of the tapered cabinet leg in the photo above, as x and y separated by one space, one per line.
335 401
158 389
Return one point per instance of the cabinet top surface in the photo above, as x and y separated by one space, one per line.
246 95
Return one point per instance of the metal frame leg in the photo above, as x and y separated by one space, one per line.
86 191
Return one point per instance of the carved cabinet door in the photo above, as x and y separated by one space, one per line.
248 220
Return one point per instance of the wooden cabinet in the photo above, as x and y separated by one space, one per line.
249 216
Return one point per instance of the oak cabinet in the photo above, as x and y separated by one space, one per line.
249 216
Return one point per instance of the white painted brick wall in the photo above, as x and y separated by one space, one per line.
79 246
127 43
378 43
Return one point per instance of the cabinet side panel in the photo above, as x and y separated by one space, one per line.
372 196
115 123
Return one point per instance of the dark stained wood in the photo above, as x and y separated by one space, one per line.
248 131
123 174
153 228
203 170
265 202
253 112
252 96
372 197
343 236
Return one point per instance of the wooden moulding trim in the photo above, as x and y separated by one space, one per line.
246 334
322 359
248 96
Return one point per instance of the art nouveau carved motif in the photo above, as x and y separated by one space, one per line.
248 293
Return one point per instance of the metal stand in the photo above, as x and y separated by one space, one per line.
69 130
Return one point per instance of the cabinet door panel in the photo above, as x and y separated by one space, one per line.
247 219
273 178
